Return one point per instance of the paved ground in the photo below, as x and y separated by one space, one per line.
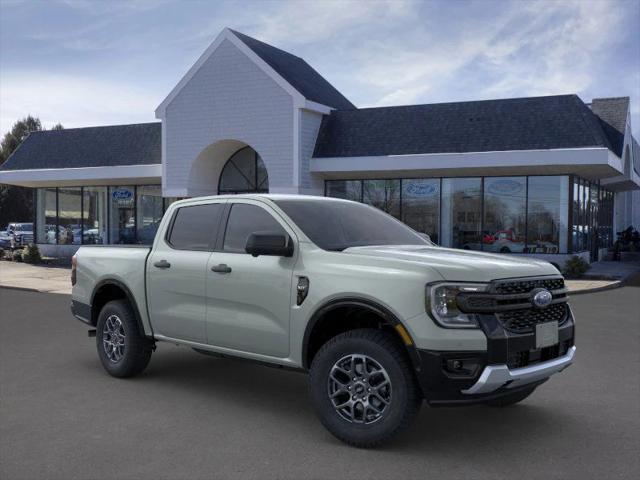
613 270
192 416
56 279
35 277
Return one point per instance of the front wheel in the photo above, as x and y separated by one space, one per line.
363 388
123 350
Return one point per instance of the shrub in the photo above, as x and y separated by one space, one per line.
31 254
576 266
16 256
1 253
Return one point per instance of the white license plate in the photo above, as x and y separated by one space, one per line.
546 334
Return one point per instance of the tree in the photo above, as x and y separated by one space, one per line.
16 203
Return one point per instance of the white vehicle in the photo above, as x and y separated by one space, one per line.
380 317
19 234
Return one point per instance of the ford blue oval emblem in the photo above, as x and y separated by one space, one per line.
421 189
505 187
542 298
122 194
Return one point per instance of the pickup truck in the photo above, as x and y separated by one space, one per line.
19 235
381 318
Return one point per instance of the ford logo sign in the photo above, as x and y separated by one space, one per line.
122 194
542 298
505 187
421 189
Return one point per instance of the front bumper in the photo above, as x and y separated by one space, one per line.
494 377
510 363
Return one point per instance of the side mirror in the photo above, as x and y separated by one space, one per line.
426 237
267 243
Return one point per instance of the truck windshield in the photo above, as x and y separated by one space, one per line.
336 225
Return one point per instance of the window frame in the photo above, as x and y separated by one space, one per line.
214 238
226 214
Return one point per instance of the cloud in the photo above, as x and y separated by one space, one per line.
531 48
295 22
72 100
376 52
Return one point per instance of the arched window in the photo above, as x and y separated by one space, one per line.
244 172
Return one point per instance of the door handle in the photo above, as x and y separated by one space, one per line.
222 268
162 264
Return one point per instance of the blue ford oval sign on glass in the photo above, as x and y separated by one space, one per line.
506 187
421 189
122 194
542 298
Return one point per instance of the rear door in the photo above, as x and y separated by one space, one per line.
249 298
177 272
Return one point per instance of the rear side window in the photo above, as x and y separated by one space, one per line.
244 220
195 228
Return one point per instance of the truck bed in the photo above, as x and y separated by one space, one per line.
120 264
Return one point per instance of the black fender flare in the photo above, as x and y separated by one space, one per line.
131 299
370 305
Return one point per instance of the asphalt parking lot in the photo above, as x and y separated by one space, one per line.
193 416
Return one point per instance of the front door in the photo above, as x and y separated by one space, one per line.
177 272
249 298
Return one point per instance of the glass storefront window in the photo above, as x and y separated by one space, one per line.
421 205
494 214
149 212
94 215
547 217
70 216
505 203
347 189
122 220
461 213
46 216
382 194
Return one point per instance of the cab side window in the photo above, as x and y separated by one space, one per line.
195 227
245 219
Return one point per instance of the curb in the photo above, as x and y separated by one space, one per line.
29 289
612 286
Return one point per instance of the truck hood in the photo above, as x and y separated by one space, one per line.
460 265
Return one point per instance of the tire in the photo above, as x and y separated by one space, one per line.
511 399
386 361
505 250
134 352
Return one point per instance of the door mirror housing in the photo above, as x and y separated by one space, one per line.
426 237
269 243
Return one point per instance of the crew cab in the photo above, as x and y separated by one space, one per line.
381 318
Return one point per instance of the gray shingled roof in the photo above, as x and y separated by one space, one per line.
613 115
298 73
535 123
137 144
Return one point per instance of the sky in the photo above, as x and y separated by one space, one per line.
84 63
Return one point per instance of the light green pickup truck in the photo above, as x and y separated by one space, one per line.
380 317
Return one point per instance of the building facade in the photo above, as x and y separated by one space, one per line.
546 176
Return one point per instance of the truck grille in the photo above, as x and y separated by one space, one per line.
525 286
511 301
522 321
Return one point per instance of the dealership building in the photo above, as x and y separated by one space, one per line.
547 176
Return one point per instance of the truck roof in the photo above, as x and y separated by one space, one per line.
263 196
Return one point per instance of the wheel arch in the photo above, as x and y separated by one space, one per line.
322 316
111 289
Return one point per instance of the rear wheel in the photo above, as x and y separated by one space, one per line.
363 388
123 350
511 399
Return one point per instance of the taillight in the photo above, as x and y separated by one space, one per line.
74 264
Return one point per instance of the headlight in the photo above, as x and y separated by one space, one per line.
442 304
